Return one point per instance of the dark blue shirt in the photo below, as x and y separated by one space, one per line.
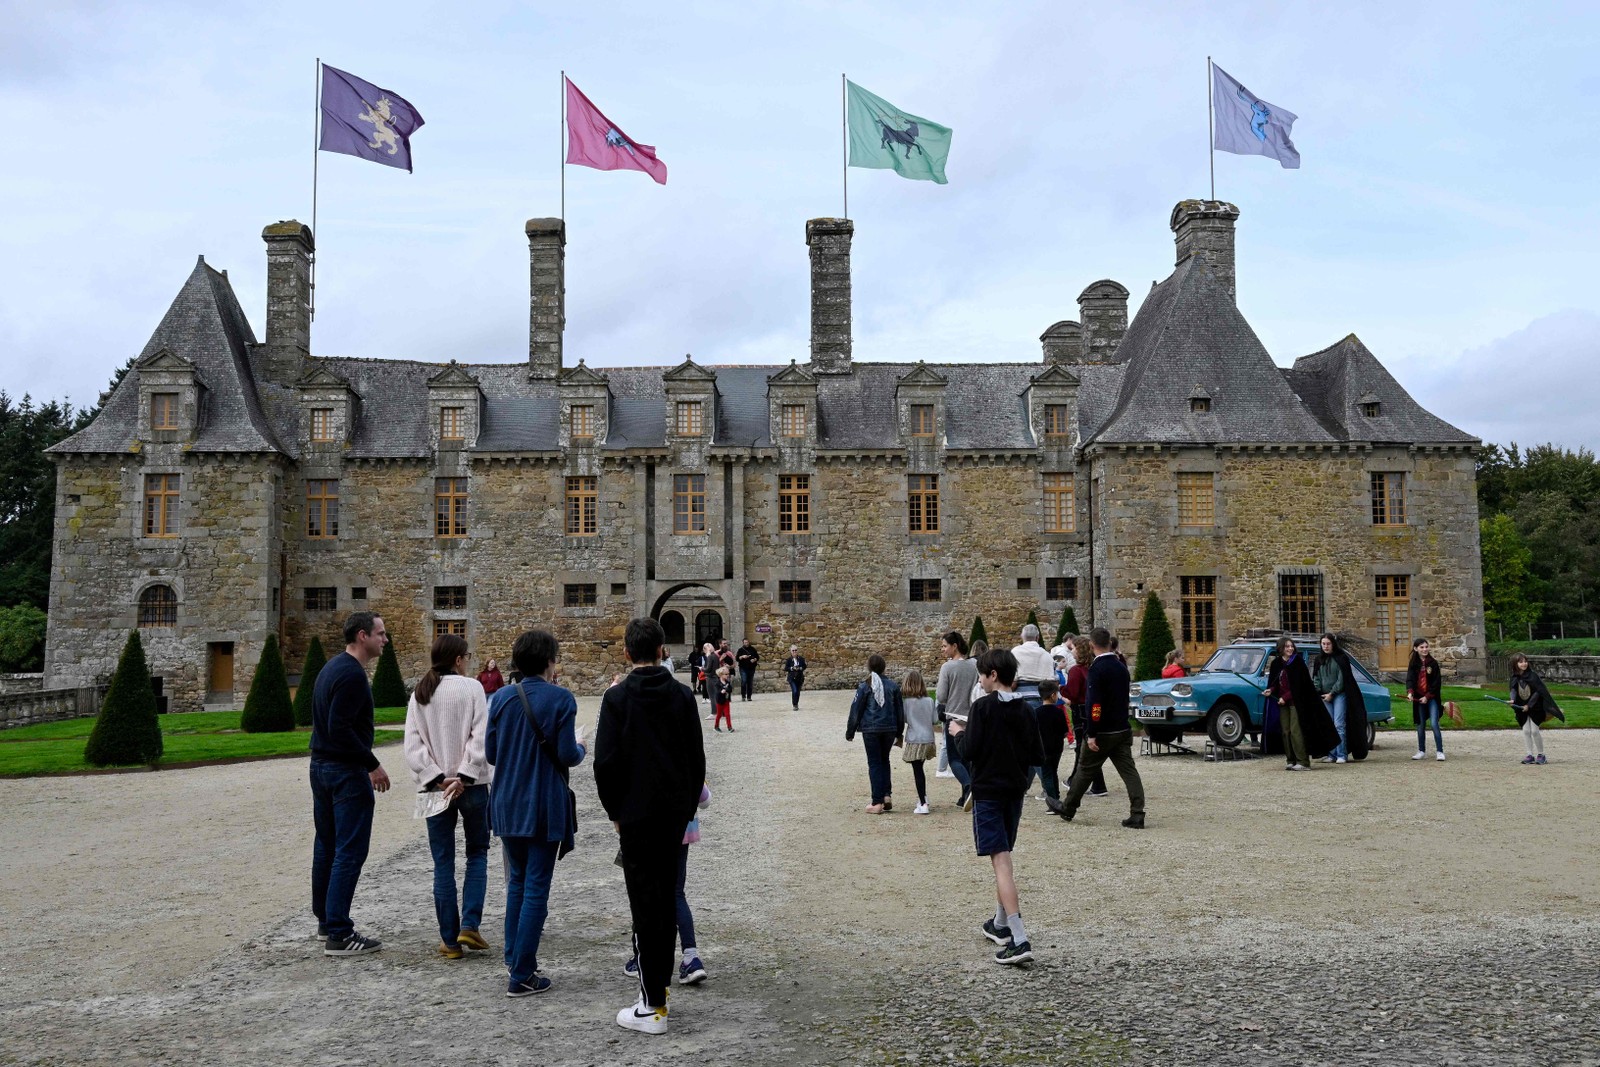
1107 700
341 714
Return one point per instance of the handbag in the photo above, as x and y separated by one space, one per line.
561 770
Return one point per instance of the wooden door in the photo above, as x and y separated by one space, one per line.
220 675
1394 621
1199 616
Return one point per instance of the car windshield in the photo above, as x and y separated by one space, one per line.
1238 660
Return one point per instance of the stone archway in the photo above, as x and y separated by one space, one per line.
691 613
672 626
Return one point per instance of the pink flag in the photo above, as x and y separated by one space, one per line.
594 141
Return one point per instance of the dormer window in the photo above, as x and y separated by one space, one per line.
163 411
689 420
1371 408
322 424
1057 420
453 424
582 422
794 420
921 420
1199 405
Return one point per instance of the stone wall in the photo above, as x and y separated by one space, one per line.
1567 670
50 705
20 683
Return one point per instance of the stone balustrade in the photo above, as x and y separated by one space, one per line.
49 705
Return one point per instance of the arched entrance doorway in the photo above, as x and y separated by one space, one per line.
672 626
707 626
691 614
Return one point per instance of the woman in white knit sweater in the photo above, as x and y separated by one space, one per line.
445 726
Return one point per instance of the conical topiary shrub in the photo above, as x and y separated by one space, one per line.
127 731
304 695
388 688
978 632
267 710
1069 624
1033 620
1155 640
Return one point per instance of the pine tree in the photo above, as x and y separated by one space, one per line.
315 661
978 632
1033 620
388 688
127 731
1069 625
1155 640
268 710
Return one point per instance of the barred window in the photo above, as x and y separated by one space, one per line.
923 499
794 503
163 411
322 424
322 597
921 420
452 424
927 590
1388 498
582 422
1300 603
579 595
1057 420
449 597
450 507
688 503
690 418
1060 514
794 591
158 607
583 506
161 505
1197 505
322 508
1061 589
794 420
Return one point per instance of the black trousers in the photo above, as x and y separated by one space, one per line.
1053 734
1097 784
747 682
650 851
1118 749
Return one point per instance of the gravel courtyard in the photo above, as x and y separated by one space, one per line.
1390 912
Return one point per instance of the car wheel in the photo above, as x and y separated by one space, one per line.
1228 724
1163 735
1372 734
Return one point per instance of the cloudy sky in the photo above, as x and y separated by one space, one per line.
1446 210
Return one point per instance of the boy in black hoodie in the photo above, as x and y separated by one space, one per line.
649 767
1000 745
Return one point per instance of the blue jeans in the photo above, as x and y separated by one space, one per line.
529 865
341 809
685 916
473 807
794 690
878 748
1426 715
1336 708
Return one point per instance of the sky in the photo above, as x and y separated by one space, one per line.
1445 210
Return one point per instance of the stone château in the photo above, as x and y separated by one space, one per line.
233 488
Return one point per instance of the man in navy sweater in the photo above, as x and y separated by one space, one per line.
1108 733
344 774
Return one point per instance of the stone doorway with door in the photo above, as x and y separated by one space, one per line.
690 615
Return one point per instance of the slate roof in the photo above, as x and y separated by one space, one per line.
1188 332
206 327
1336 381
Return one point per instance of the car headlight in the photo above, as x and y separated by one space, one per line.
1183 689
1135 692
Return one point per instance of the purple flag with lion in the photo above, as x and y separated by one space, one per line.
360 119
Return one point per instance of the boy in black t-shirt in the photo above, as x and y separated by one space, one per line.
1000 744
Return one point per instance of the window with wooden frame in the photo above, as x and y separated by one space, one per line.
1197 499
1300 603
794 591
1061 589
794 503
688 503
158 607
322 508
161 505
581 422
444 627
793 421
921 420
579 595
583 506
163 411
449 507
1393 592
1060 511
321 597
453 424
1198 597
1371 410
322 424
449 597
927 590
689 418
1057 420
1389 499
922 494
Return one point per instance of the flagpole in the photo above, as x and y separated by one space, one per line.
1211 137
844 141
563 139
316 158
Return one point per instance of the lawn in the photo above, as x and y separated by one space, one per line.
1555 646
57 747
1480 712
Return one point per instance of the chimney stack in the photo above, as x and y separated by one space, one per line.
1103 310
1063 343
288 338
829 241
1206 227
547 296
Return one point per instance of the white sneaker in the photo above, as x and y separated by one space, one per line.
1297 767
1440 757
1420 755
1339 760
643 1018
944 774
920 809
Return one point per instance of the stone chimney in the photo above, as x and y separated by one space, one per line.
288 339
1206 227
1103 310
547 296
1063 343
829 241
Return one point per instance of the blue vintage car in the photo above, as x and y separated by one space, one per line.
1225 696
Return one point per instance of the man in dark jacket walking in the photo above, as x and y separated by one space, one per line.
748 659
649 767
1108 733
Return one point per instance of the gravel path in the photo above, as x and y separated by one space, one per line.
1391 912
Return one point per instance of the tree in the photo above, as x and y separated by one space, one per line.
1069 625
388 688
127 731
268 710
22 630
28 497
978 632
1033 620
314 662
1155 640
1508 604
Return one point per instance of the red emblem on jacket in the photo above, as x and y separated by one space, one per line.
1094 713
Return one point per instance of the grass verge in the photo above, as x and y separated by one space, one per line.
1480 712
1556 646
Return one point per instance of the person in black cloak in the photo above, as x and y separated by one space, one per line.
1335 680
1308 731
1533 705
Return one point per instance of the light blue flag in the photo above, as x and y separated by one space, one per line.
1247 125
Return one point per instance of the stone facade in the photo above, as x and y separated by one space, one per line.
776 503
